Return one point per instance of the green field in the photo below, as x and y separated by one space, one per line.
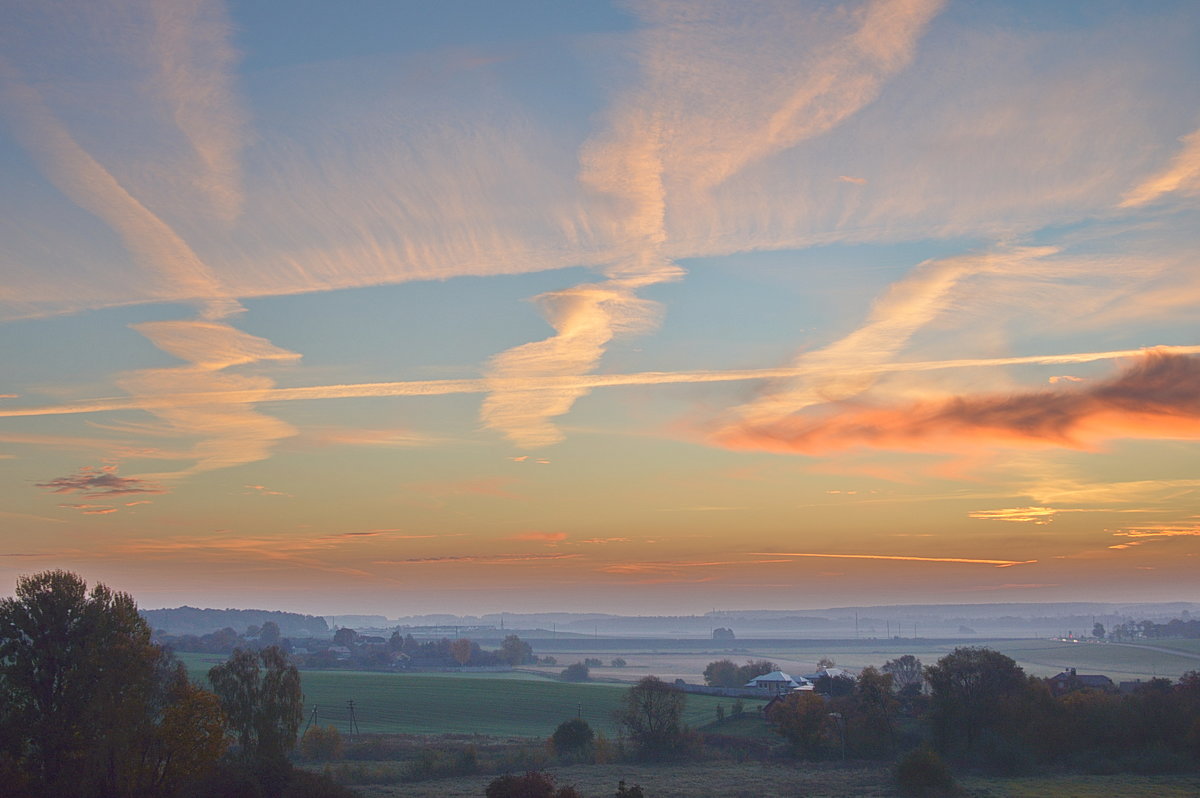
502 704
686 659
783 779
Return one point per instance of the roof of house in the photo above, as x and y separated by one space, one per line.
774 677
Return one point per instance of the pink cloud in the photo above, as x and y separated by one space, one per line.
1156 397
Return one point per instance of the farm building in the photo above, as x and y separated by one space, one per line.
1069 680
778 683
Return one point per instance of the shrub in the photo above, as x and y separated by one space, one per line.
592 662
603 751
534 784
321 743
577 672
921 773
572 737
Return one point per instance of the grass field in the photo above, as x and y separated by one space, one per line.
506 705
794 779
686 659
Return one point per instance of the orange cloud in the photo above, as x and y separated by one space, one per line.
1026 515
1157 397
964 560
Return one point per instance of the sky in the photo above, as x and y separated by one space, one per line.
652 307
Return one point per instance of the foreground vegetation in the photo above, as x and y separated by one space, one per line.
90 707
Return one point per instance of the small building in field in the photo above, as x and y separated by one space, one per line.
778 683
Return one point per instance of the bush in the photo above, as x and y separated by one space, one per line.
921 773
577 672
628 792
592 662
572 737
534 784
321 743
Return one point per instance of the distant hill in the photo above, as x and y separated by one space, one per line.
195 621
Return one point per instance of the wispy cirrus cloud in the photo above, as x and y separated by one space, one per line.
850 366
1043 515
1180 176
712 99
1153 533
586 381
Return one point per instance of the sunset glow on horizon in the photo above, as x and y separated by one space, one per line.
641 307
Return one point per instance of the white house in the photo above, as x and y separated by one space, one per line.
778 683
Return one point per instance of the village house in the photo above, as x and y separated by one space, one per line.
1069 681
778 683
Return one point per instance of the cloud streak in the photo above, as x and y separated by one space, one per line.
470 386
901 558
1156 397
674 133
1181 176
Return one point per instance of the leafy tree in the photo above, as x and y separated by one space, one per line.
653 716
834 686
968 686
269 634
723 633
722 673
260 692
618 662
345 636
907 673
321 743
754 668
88 705
825 662
1098 630
460 649
516 651
575 672
572 737
593 662
800 718
870 717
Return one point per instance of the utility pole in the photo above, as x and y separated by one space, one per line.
353 720
311 718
